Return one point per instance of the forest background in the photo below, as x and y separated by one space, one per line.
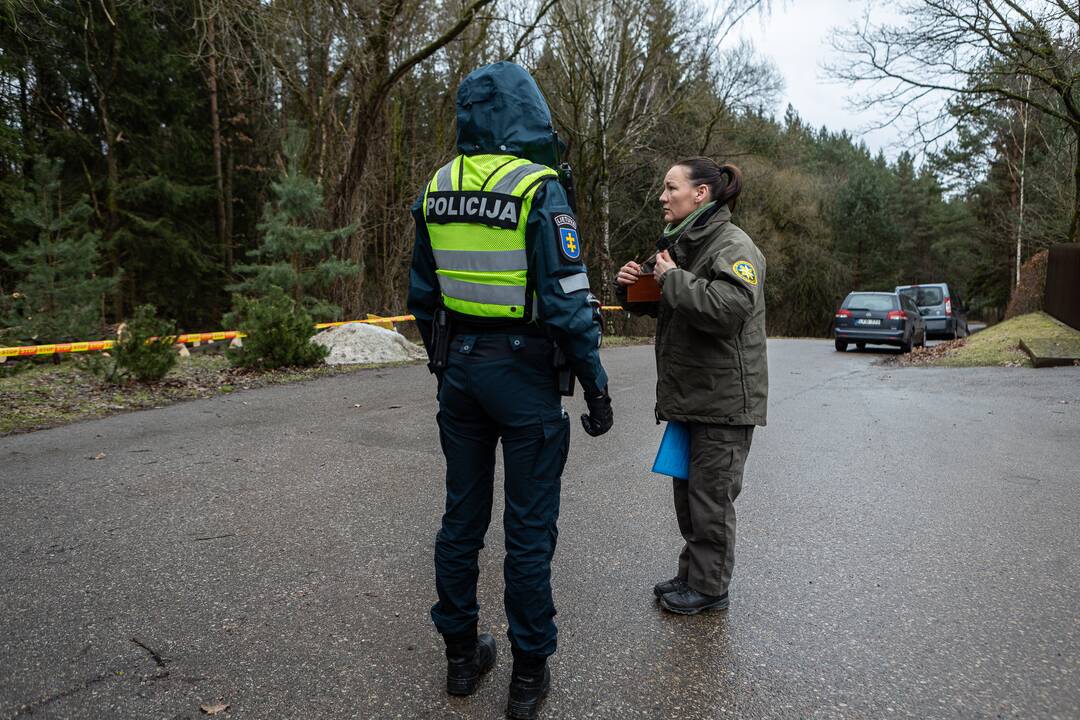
147 147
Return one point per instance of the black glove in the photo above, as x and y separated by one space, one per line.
599 418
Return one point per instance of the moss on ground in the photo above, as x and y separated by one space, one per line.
996 346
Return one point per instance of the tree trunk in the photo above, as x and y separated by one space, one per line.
1074 225
112 205
1020 218
379 80
607 270
230 164
215 126
24 121
110 138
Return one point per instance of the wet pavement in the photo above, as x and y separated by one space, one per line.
909 547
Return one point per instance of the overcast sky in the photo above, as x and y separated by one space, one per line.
795 35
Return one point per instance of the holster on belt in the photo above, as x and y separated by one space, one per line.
440 341
564 375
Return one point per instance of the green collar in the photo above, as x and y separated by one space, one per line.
688 220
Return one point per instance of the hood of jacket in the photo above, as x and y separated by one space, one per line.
500 110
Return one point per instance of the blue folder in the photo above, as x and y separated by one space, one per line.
673 457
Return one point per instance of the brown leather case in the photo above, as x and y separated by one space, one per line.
644 290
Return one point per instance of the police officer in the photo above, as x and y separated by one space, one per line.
498 290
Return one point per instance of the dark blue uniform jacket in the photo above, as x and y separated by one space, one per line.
500 110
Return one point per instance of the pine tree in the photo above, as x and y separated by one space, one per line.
58 294
295 255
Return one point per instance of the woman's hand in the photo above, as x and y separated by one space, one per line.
628 274
663 264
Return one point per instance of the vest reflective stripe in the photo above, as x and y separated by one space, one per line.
443 178
495 172
481 260
511 179
483 294
482 269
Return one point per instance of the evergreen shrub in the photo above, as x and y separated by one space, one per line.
58 292
295 253
145 347
278 332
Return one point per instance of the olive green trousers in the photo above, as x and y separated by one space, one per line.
705 504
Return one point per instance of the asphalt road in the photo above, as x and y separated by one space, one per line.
909 547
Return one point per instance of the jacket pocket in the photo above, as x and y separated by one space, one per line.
701 391
690 346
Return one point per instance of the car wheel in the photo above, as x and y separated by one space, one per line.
861 346
922 339
905 347
841 346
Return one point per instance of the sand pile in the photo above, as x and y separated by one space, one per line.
357 343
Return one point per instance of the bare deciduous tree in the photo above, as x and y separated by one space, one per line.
981 51
615 69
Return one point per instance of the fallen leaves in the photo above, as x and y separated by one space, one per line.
928 354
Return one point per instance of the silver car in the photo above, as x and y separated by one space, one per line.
941 308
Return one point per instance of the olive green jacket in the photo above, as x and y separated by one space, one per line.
711 364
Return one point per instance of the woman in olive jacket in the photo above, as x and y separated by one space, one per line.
711 367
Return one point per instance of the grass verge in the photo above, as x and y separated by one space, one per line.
996 346
43 395
39 395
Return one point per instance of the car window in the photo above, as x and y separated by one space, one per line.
870 301
910 304
924 296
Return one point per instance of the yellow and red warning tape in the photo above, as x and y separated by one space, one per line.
187 338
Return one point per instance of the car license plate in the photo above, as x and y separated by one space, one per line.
867 321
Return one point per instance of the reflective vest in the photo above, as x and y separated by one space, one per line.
476 208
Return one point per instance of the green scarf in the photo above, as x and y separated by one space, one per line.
688 220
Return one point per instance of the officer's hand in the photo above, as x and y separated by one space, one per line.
628 273
599 418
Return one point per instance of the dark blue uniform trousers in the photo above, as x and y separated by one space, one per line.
501 386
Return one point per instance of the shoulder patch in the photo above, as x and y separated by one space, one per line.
569 242
567 220
745 270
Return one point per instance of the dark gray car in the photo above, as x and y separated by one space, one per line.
941 308
878 318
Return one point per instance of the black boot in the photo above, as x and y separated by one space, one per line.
467 658
673 585
529 683
690 602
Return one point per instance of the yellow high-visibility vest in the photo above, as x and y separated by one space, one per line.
476 208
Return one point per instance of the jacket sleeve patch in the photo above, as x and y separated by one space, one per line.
567 235
745 270
575 282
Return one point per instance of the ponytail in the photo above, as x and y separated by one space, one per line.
724 181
